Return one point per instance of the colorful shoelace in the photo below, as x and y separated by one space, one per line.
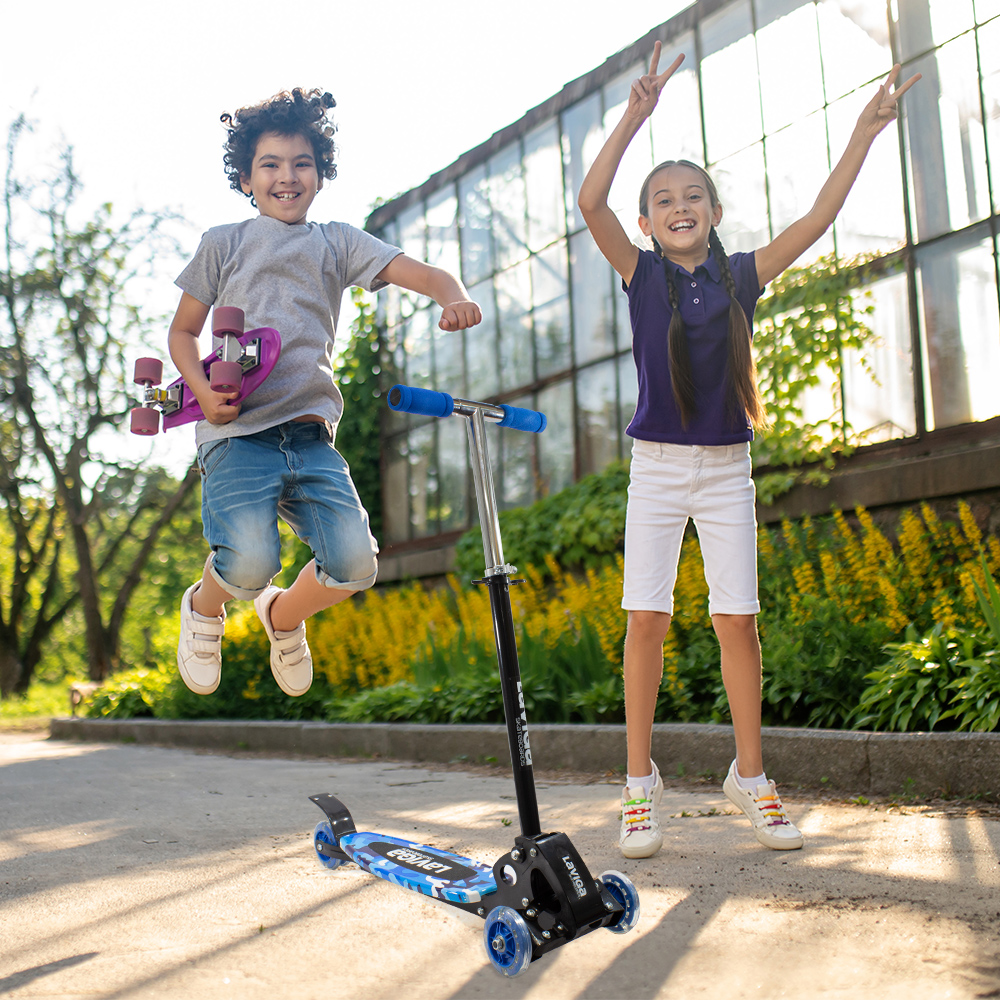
637 818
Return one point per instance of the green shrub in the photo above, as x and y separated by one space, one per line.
581 526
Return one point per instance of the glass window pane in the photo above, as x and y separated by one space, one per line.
395 494
394 373
985 9
543 183
945 142
555 443
423 482
582 138
961 332
419 370
481 346
882 408
989 54
515 463
507 202
729 80
413 242
442 230
628 397
638 160
922 24
740 182
597 416
593 307
791 83
676 123
797 167
449 360
513 297
854 41
550 295
873 219
453 450
474 215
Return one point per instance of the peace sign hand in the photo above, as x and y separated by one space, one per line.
646 89
881 109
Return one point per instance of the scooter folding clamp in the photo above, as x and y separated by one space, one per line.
548 883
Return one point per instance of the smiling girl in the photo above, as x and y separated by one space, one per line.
691 305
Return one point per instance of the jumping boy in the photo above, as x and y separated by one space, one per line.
273 454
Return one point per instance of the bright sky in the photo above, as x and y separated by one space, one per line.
137 88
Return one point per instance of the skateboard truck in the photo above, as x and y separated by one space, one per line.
227 369
540 894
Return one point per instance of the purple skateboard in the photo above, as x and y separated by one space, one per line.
240 365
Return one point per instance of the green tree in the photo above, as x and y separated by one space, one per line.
358 432
811 317
80 521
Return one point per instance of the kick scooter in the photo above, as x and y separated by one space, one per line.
240 365
540 894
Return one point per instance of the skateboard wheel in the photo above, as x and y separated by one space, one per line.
323 834
145 420
227 319
148 371
507 940
626 896
226 376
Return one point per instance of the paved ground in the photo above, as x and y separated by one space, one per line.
135 871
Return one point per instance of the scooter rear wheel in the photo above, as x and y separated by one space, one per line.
324 834
626 896
507 940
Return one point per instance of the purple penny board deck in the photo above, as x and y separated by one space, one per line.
268 351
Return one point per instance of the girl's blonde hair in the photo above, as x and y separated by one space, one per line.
742 369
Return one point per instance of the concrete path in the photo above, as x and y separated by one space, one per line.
133 872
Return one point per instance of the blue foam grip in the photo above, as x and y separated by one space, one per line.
522 420
408 399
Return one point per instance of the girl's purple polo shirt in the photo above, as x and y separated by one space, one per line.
704 304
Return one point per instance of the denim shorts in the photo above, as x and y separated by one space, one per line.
670 483
291 471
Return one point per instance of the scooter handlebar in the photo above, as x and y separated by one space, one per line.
522 419
429 403
409 399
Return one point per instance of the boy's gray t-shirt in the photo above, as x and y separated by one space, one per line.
290 278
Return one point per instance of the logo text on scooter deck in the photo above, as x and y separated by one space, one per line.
438 865
574 875
524 745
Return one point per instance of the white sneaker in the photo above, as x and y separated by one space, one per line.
640 834
291 661
199 652
763 808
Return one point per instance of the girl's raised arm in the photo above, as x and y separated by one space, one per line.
610 237
787 246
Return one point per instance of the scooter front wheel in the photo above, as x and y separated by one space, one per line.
626 896
323 834
507 940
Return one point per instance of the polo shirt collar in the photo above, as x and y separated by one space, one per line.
709 267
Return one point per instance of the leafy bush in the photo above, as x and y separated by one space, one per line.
583 526
912 690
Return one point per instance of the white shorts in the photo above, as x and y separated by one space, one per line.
670 483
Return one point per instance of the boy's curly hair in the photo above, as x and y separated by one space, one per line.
288 113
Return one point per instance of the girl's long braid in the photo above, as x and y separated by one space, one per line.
742 368
678 357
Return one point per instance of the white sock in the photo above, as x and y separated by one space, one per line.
750 784
645 783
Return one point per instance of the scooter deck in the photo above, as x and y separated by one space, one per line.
428 870
267 343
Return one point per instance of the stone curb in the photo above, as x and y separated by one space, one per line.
954 764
